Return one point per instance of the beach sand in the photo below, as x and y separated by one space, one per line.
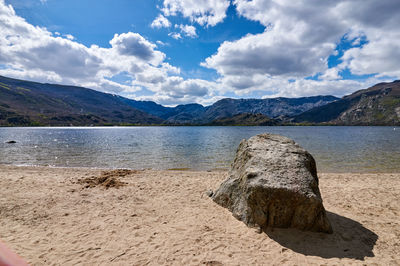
164 217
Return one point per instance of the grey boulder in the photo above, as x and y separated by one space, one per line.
273 182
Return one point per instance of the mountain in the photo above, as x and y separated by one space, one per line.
32 103
377 105
187 114
149 107
274 107
226 108
245 119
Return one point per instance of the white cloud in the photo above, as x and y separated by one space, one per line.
296 43
171 69
69 37
379 57
298 39
160 22
378 22
133 44
272 87
330 74
188 30
176 90
204 12
175 35
270 53
306 87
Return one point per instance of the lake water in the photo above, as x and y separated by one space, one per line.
336 149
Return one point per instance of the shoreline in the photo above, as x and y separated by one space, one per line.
184 169
199 125
164 217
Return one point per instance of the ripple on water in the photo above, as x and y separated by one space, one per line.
336 149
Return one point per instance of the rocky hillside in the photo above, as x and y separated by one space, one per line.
245 119
226 108
27 103
274 107
378 105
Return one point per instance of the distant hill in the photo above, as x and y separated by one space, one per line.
245 119
274 107
226 108
149 107
377 105
30 103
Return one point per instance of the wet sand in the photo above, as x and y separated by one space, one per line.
56 216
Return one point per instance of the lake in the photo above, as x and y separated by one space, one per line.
336 149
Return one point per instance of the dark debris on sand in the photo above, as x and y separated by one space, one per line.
107 179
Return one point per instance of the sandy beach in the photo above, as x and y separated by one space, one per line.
58 216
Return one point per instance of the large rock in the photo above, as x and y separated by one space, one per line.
273 182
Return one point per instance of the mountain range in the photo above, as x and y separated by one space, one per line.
198 114
377 105
26 103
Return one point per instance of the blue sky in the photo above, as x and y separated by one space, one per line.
182 51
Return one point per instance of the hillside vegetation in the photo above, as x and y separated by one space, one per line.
378 105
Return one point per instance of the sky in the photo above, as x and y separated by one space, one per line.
185 51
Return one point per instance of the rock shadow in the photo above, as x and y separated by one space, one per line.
349 240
